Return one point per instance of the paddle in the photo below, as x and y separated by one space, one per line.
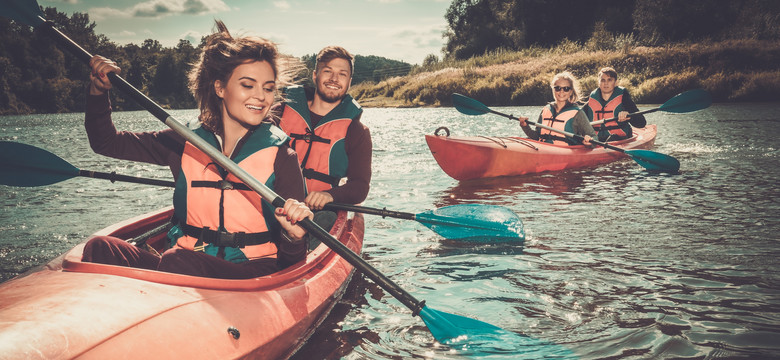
27 165
689 101
650 160
465 221
446 328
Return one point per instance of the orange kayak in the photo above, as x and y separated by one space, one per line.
68 308
475 157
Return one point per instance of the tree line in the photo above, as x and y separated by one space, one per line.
37 76
477 27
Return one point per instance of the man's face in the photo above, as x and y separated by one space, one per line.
607 84
332 79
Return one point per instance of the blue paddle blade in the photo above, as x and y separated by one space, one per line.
654 161
688 101
25 165
474 222
472 337
468 106
24 11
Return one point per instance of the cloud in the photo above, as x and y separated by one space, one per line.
103 13
162 8
282 5
192 36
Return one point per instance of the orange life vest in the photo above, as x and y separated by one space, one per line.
217 213
321 150
599 109
561 121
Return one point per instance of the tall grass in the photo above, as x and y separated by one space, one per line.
733 70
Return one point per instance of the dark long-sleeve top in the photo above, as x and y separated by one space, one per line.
637 121
166 148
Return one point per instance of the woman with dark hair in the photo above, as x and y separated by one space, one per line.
222 228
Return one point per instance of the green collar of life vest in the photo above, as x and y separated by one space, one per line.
297 100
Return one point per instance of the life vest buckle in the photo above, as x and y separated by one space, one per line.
225 185
222 238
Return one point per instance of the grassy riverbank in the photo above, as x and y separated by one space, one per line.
733 71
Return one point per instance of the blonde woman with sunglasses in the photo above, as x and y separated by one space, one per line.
563 114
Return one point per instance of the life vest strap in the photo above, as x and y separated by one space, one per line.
316 175
310 137
222 184
224 238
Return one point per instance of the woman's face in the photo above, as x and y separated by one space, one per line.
248 94
562 90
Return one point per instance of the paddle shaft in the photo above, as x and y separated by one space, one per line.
568 134
125 178
396 291
371 211
599 122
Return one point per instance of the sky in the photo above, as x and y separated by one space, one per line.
406 30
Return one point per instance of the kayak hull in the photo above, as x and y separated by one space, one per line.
70 309
476 157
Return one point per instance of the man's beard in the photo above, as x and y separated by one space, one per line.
329 98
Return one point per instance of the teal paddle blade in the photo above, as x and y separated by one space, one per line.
24 11
688 101
475 222
470 337
468 106
654 161
27 166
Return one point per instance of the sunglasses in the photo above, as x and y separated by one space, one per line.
558 88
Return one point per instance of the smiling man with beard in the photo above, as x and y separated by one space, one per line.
333 146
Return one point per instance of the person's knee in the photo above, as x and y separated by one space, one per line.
180 261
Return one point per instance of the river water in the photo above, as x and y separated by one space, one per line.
618 263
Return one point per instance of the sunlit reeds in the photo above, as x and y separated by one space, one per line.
732 70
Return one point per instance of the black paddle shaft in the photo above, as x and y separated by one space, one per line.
372 211
124 178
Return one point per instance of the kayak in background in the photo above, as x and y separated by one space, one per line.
476 157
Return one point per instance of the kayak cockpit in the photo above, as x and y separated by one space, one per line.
151 229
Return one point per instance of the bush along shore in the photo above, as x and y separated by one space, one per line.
732 70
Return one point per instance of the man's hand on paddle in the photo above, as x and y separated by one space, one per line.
316 200
523 121
623 116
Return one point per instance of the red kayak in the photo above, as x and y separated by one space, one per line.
71 309
476 157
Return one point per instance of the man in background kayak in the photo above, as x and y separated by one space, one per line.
333 146
612 101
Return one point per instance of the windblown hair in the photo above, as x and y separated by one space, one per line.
609 71
335 52
221 54
575 85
